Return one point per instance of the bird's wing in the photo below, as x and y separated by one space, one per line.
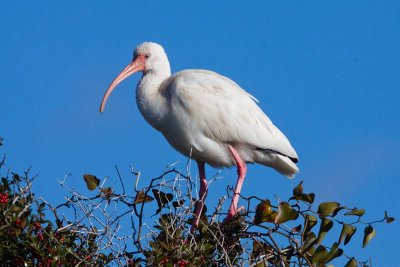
219 109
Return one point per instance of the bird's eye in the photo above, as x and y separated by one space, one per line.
147 55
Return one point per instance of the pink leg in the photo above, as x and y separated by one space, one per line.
202 196
241 170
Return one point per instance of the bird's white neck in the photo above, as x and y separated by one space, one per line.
149 98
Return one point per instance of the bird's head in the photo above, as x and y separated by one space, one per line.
148 58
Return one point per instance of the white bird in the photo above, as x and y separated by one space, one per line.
208 117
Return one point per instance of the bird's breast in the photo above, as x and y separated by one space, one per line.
152 105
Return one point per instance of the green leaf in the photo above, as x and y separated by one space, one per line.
369 233
285 213
351 263
387 218
16 177
162 199
310 222
298 190
311 239
326 225
319 255
327 208
5 183
102 256
299 195
306 197
347 233
356 212
334 253
110 256
142 198
41 206
91 181
264 212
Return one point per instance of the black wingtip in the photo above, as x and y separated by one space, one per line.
294 160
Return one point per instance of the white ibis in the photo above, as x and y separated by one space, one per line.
208 117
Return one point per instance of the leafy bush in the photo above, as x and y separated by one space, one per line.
27 238
86 231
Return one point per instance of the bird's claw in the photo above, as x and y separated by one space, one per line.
232 214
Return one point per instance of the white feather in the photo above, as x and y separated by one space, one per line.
201 112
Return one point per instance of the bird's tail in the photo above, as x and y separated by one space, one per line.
281 163
285 166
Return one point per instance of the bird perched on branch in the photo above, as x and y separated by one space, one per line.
208 117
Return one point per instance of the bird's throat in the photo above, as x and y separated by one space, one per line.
150 100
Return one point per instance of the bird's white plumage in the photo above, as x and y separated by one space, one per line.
201 113
208 111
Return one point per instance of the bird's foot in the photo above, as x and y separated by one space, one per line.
195 224
193 229
232 213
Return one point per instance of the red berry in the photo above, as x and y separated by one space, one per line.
37 226
40 236
4 198
164 260
182 263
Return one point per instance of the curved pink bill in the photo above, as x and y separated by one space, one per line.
136 65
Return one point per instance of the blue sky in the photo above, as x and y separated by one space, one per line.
325 72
